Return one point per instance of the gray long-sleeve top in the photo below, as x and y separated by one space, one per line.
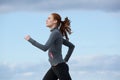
54 44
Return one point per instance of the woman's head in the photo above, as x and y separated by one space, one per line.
54 19
50 22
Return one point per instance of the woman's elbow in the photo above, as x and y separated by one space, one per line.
45 48
72 46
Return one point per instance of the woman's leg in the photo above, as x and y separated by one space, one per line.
62 71
50 75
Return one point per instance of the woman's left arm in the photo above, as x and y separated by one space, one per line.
70 49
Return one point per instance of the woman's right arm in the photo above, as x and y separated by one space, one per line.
37 44
45 47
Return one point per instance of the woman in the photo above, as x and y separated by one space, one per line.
59 29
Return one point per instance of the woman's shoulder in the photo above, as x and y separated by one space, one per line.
56 32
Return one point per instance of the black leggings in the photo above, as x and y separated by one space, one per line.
61 72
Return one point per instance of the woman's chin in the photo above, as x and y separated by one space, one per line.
47 26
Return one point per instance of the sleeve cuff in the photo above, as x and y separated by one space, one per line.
31 40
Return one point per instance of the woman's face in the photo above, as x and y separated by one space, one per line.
50 21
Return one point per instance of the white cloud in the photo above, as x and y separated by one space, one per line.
28 73
96 67
81 67
97 62
48 5
22 71
5 72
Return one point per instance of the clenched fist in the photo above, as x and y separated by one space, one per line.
27 37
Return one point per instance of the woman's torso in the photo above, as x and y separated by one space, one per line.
55 51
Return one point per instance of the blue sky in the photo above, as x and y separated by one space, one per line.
96 31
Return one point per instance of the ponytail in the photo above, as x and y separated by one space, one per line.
65 28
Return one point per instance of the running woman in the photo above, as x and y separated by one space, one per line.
59 29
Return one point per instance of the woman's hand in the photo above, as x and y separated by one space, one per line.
27 37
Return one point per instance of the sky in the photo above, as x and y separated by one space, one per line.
95 25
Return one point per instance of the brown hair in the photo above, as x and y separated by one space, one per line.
64 25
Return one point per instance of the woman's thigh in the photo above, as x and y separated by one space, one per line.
62 71
50 75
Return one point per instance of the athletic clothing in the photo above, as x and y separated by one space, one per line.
54 44
61 72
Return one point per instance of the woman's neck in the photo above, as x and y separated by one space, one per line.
52 27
